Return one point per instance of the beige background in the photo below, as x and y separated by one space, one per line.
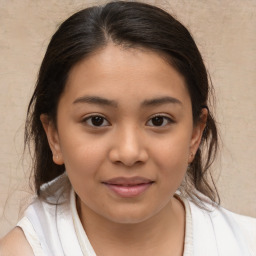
226 35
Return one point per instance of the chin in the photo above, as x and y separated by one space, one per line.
131 216
129 219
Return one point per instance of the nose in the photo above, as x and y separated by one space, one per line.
128 148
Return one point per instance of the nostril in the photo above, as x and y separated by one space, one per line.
128 164
126 155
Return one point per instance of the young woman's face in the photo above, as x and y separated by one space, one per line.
125 133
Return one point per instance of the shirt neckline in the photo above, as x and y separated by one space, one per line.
87 248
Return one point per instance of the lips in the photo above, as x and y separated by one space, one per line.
128 187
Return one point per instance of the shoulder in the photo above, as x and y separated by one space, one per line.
39 218
230 231
245 225
15 243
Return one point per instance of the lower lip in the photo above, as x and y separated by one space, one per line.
129 191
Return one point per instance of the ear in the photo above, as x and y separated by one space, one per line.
53 138
197 134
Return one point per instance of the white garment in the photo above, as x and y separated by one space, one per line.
54 229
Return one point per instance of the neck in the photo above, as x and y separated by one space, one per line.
160 233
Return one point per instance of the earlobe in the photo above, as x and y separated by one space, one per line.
197 134
53 138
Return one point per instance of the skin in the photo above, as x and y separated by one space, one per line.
15 243
127 143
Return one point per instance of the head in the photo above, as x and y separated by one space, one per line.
122 29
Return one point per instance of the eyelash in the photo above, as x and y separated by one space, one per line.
167 120
86 119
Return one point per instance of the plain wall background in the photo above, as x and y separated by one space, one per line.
225 32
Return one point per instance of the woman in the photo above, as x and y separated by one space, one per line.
124 138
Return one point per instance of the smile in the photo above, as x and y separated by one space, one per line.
128 187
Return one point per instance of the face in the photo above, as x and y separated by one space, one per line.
124 132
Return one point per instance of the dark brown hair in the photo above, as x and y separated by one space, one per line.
130 24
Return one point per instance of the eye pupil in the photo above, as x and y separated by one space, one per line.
97 120
158 120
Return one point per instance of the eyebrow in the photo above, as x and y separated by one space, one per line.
96 100
146 103
161 101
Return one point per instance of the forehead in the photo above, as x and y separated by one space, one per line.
120 73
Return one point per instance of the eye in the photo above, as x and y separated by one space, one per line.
159 120
96 121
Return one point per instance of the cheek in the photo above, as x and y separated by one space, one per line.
82 166
172 159
173 149
82 156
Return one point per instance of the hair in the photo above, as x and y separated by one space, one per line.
129 24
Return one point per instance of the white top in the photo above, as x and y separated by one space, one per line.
54 228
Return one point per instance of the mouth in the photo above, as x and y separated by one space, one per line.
128 187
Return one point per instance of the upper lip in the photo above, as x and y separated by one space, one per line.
128 181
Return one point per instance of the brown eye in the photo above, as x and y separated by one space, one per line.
96 121
159 121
